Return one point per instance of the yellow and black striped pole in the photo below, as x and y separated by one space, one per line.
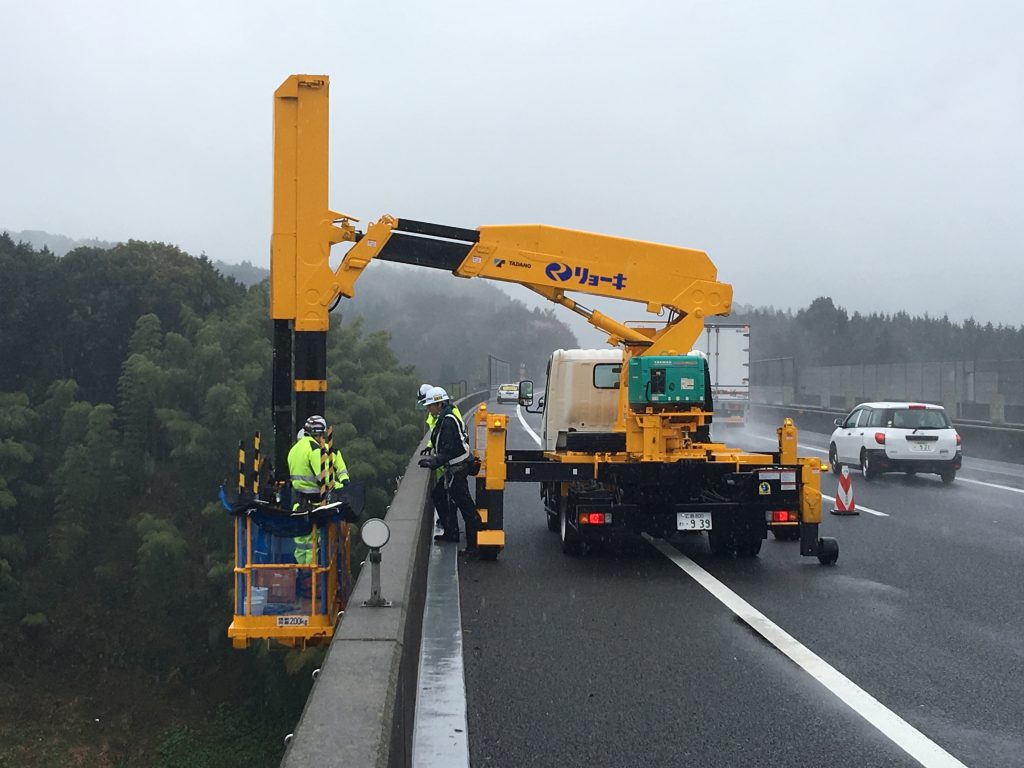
241 467
256 465
329 457
322 476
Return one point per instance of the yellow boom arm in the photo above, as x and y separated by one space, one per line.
549 260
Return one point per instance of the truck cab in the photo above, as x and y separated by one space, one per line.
582 394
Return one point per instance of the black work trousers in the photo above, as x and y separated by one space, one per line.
439 496
457 486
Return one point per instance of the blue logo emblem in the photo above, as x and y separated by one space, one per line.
557 270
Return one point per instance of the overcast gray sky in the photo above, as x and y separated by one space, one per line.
871 151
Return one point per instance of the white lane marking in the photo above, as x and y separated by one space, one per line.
534 435
900 732
440 729
962 479
869 510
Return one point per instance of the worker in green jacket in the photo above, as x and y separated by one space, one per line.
304 466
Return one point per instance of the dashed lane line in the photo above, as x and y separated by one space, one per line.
895 728
990 485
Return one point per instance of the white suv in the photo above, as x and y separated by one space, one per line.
896 437
508 393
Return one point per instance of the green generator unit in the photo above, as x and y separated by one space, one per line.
672 379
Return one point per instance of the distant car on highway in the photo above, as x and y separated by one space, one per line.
896 437
508 393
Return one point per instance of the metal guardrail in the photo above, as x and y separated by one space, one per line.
361 709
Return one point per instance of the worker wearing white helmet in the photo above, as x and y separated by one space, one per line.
450 452
438 494
421 394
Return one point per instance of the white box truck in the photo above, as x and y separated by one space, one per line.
728 349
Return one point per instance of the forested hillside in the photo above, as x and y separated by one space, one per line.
824 334
446 326
129 375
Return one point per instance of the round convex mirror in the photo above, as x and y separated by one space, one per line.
375 533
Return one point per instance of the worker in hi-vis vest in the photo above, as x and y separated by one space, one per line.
438 495
304 464
450 452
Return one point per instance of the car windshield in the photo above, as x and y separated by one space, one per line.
920 418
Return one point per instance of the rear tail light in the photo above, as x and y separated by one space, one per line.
958 438
595 518
783 516
880 438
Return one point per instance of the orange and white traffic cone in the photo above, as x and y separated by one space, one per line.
845 505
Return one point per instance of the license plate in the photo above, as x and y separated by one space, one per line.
693 521
923 447
293 621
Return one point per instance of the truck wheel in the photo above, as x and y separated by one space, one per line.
571 543
552 521
828 552
833 460
748 543
867 469
719 542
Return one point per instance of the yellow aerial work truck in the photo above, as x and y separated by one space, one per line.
654 467
651 468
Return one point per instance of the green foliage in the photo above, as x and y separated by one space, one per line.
824 334
162 566
229 740
112 445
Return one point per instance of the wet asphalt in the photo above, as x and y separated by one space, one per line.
618 658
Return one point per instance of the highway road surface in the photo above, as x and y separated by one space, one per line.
910 651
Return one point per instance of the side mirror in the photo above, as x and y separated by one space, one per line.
540 403
526 392
838 422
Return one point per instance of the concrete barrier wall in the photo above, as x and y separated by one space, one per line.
361 709
982 441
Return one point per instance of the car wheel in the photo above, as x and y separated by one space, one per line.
948 476
833 460
867 469
571 542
